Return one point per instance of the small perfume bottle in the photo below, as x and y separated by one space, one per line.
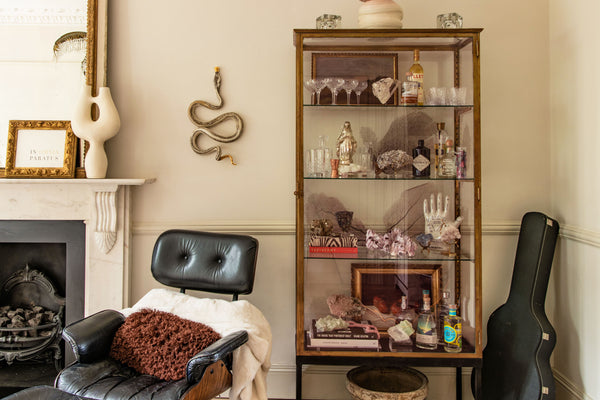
452 331
448 163
421 161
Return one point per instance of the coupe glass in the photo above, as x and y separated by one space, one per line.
335 84
349 85
362 85
309 84
320 84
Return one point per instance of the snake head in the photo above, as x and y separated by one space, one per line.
217 78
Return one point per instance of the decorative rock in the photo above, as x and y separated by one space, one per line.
393 161
345 307
424 239
330 323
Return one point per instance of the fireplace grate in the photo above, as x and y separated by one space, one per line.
31 318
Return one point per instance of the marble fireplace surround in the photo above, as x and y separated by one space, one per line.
104 205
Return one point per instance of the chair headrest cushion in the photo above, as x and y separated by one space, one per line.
212 262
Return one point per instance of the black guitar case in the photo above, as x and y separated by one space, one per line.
516 359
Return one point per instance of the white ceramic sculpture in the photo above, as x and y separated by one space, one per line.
95 132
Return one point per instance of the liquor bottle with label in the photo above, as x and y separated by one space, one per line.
421 163
426 337
448 163
453 331
416 71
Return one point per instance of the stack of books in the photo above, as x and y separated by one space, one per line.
356 336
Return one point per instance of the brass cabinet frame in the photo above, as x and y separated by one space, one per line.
370 41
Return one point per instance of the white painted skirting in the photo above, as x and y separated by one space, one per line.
569 387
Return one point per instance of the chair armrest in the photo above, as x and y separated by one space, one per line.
91 337
219 350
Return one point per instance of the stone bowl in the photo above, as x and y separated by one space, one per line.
386 383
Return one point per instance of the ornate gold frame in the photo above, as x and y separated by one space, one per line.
359 270
68 168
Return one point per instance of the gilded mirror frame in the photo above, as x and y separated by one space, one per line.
96 51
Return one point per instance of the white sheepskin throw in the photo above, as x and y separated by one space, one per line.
251 362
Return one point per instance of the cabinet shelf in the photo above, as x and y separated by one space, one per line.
388 178
365 254
461 107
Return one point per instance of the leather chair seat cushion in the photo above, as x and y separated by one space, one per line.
43 393
160 344
110 380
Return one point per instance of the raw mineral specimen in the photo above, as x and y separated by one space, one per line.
424 239
401 332
329 323
392 161
345 307
395 242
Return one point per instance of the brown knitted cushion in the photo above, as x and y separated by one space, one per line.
159 343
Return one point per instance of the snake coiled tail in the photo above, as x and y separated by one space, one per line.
204 126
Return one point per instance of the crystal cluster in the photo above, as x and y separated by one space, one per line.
395 243
393 161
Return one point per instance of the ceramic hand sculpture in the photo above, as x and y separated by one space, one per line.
435 217
96 132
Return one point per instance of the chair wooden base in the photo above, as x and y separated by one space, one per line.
215 381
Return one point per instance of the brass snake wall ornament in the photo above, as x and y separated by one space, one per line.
203 126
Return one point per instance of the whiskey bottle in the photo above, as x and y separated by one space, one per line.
452 331
416 71
426 337
448 163
421 162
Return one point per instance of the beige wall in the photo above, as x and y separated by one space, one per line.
161 58
575 171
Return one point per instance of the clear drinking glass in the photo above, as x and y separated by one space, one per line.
320 84
334 84
309 84
362 85
349 85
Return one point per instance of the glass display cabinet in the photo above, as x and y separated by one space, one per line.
388 197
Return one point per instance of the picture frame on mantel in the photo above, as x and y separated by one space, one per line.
40 149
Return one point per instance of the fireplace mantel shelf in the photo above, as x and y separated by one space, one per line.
110 181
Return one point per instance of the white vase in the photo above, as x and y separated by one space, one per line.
380 14
95 132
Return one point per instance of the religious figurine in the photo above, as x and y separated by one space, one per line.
346 145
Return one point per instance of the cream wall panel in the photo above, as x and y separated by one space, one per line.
575 133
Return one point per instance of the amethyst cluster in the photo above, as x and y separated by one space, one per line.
395 243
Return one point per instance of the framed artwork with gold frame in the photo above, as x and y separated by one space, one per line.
389 282
367 67
40 149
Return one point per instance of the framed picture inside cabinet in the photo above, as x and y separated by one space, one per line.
365 68
40 149
383 285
